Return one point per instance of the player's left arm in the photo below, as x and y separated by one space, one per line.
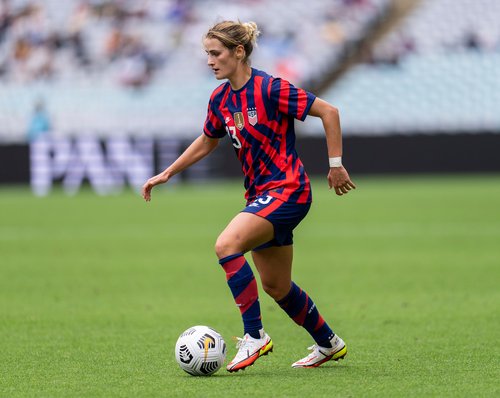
338 177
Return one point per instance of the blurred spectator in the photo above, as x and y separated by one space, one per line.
77 23
472 41
136 65
39 64
114 42
39 124
5 18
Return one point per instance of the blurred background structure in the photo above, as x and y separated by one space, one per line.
417 81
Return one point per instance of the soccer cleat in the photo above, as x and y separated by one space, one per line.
249 350
320 355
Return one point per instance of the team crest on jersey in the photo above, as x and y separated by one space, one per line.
239 121
252 116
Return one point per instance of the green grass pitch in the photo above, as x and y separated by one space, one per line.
94 291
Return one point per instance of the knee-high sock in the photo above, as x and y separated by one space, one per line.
299 306
243 285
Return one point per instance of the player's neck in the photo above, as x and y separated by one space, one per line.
240 77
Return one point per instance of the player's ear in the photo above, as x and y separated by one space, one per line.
239 52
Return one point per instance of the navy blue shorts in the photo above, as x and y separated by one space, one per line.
283 215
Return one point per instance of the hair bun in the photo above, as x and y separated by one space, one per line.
252 30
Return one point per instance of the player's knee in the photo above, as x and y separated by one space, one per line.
225 247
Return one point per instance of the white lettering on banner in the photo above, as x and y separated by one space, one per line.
107 167
131 163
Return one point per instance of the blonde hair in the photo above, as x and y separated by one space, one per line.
233 34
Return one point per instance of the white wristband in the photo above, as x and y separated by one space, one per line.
335 162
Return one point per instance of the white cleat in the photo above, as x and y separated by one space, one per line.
249 350
320 355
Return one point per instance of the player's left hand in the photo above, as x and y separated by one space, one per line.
339 179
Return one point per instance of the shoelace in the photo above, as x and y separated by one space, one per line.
242 342
315 349
239 342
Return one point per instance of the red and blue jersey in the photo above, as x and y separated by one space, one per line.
259 119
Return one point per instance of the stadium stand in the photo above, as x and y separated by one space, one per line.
438 72
127 67
107 67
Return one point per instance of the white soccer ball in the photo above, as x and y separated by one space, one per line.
200 351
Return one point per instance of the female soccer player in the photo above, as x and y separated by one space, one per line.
257 111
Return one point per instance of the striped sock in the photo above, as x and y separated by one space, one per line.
243 286
299 306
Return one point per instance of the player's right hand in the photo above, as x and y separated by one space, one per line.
148 186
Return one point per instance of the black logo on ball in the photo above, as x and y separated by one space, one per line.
184 355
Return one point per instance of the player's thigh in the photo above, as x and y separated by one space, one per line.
274 265
244 232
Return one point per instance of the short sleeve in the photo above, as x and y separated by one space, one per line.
291 100
213 126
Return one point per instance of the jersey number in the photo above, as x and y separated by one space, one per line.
266 200
231 131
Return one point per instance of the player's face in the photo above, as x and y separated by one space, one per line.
221 59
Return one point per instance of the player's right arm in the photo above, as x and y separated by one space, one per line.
198 149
